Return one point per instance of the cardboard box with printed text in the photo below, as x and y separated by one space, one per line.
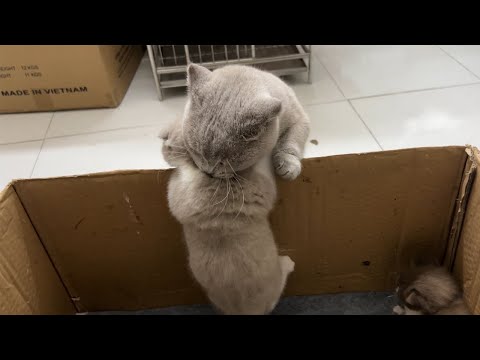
63 77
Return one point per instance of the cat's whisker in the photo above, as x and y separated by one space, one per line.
243 179
214 166
249 183
205 159
233 192
178 147
243 199
234 173
218 186
226 197
177 157
226 202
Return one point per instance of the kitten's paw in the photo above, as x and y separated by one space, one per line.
398 310
164 133
287 166
287 264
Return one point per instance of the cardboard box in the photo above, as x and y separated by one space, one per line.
108 242
61 77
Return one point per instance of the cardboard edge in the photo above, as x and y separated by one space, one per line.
104 174
458 215
468 241
12 185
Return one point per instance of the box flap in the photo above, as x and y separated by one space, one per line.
345 222
28 282
467 260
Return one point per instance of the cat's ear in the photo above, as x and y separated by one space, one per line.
266 108
197 75
262 111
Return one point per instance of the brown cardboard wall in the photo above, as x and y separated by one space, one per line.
345 222
28 281
467 262
351 221
112 239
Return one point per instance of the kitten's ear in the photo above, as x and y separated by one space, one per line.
266 107
197 75
416 299
164 133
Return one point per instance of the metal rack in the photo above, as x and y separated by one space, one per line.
169 62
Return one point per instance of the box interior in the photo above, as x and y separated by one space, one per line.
108 242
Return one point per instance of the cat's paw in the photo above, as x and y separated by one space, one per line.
286 165
287 264
398 310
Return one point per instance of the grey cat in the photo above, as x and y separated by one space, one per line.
240 124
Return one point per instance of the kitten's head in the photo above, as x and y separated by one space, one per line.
230 121
427 289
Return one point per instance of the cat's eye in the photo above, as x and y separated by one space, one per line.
249 137
251 134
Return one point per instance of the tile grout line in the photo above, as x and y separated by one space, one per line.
103 131
41 146
414 91
457 61
82 133
399 92
314 103
330 75
306 104
350 103
20 142
365 124
320 102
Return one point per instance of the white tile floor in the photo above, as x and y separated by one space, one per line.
363 98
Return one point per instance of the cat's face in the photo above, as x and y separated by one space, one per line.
228 124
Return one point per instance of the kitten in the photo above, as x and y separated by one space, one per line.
429 290
240 125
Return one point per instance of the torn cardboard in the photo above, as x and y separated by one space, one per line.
109 242
467 259
62 77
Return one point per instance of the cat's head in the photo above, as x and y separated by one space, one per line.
230 122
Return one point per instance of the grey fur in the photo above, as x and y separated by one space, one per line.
229 117
239 125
